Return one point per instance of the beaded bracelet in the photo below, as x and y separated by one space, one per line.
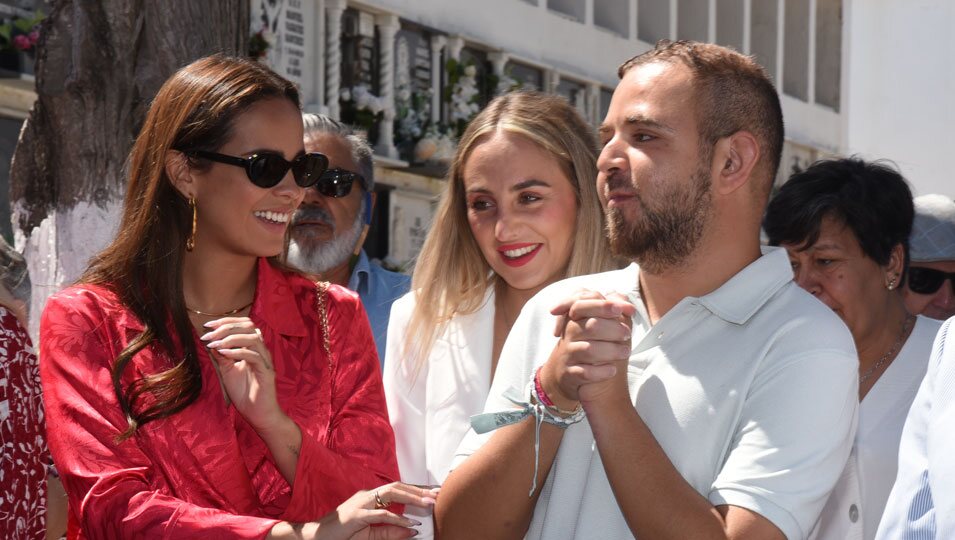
532 406
545 400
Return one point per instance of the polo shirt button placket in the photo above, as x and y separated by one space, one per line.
853 513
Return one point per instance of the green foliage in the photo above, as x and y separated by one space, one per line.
20 26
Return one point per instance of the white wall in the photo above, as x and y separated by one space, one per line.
900 88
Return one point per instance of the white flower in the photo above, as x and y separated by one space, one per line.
362 101
470 71
375 105
404 94
346 94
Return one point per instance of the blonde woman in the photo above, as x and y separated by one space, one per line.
520 212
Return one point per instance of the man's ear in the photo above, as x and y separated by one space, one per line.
734 158
180 173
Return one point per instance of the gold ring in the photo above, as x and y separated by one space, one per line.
379 504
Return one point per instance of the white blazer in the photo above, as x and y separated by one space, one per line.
855 505
431 413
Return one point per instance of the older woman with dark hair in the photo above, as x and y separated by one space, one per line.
846 224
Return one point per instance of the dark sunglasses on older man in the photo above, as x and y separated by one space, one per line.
928 280
337 182
267 169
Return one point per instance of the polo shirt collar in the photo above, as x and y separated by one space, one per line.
275 303
745 293
361 274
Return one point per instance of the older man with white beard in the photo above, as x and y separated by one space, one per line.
329 227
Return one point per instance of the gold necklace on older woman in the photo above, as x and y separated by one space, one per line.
888 354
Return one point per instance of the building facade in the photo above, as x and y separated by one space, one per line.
412 72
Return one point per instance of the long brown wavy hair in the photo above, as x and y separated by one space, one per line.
195 109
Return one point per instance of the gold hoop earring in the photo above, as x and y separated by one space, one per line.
191 241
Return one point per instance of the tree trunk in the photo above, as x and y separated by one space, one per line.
99 64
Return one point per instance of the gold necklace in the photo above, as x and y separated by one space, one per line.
872 370
226 314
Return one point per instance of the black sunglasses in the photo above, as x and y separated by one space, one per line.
337 182
267 169
928 280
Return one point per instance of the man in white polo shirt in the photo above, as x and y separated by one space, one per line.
719 397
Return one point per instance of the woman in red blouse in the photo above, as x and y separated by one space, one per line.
193 386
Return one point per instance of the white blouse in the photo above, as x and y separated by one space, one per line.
855 506
430 411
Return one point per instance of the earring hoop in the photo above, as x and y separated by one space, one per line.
191 241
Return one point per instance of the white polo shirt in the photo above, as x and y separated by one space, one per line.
751 390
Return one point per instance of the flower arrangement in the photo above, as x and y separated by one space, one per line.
462 94
413 113
437 144
21 33
360 107
260 42
506 83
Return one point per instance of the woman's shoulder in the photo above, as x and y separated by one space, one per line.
339 299
404 306
86 298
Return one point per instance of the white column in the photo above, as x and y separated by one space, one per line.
633 20
674 15
551 81
388 26
319 25
747 26
333 59
438 44
711 21
455 44
811 76
780 43
593 103
498 63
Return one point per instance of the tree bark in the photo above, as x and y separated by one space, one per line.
99 64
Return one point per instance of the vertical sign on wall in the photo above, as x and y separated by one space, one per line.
411 214
289 27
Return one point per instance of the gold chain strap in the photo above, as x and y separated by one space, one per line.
322 287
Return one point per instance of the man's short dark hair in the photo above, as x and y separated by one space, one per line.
733 93
870 198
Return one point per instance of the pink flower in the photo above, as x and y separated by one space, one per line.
22 43
34 37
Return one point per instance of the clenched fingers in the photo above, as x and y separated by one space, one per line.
590 304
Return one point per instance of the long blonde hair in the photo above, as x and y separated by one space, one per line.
451 276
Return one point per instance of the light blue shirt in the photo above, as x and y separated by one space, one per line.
378 289
922 502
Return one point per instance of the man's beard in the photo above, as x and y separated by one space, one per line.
666 230
313 257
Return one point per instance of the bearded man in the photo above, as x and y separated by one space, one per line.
328 228
698 393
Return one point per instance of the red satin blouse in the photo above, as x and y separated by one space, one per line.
204 472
